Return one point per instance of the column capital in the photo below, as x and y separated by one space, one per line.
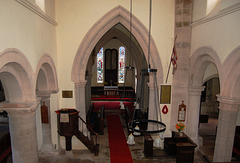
18 108
225 102
44 93
195 90
81 83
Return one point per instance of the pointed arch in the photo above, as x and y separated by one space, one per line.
100 28
16 75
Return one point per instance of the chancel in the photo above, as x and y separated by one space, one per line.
124 68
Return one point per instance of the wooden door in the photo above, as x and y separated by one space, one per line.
111 67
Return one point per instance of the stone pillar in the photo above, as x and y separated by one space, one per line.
183 30
22 124
80 104
46 128
54 105
88 92
226 128
193 112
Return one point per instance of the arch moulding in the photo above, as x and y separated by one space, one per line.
14 63
199 61
103 25
231 78
47 65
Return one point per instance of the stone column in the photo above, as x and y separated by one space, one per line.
46 128
22 124
226 128
54 105
80 104
88 92
183 30
193 112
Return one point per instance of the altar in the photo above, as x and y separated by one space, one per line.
111 91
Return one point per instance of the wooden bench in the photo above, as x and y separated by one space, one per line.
148 145
180 146
95 119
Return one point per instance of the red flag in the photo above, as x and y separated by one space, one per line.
174 60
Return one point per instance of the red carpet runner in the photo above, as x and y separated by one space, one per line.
119 150
111 105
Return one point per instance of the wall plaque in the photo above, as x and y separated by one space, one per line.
165 97
67 94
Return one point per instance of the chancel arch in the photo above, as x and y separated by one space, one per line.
99 29
116 16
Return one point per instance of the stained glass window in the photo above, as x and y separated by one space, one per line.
121 65
100 66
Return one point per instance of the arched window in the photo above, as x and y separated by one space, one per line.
41 4
100 66
121 65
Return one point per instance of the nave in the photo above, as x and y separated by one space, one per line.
137 150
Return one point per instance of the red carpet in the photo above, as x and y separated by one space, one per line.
111 105
119 150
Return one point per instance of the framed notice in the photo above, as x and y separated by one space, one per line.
182 112
165 97
67 94
64 117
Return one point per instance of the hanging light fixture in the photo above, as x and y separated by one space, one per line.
161 127
130 37
130 53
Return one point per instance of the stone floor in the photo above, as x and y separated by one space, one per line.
84 156
204 154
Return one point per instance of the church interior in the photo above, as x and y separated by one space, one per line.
119 81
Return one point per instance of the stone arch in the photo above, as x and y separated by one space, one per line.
46 75
199 61
123 38
103 25
46 84
16 75
231 78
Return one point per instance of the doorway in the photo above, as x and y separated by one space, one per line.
208 119
111 68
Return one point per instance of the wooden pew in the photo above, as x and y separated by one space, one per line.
180 146
101 121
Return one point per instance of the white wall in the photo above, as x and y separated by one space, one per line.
33 35
26 31
75 18
222 33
